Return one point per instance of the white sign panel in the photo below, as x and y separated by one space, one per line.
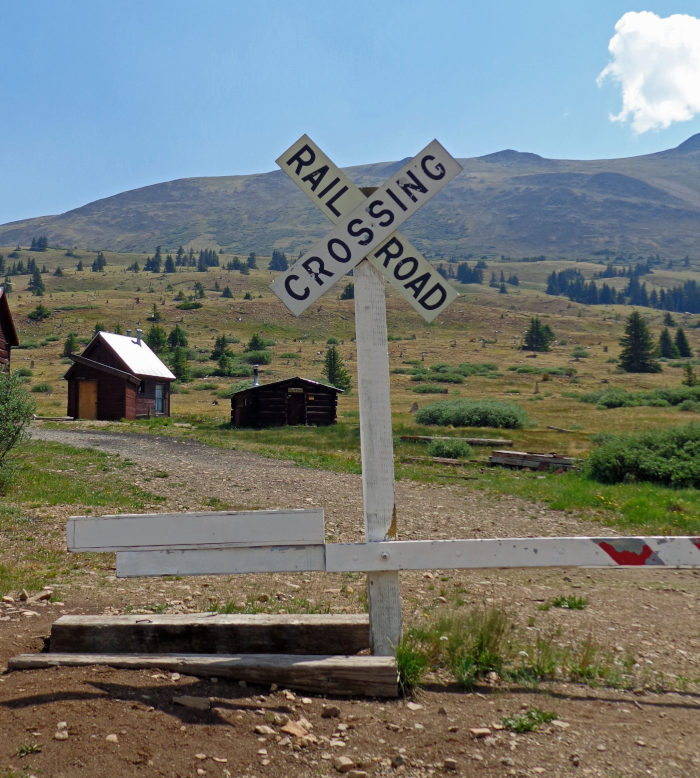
369 224
396 259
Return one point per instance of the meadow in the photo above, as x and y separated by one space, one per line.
472 351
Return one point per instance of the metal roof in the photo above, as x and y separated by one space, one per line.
136 355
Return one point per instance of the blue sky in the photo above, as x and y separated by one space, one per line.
100 97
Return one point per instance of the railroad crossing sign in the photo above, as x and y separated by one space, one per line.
366 227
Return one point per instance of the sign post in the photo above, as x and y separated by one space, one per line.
366 222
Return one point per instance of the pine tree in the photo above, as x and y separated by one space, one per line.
157 339
177 338
169 264
334 370
71 345
36 285
227 292
180 366
667 348
539 336
637 355
681 342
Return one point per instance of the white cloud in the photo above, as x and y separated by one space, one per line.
656 61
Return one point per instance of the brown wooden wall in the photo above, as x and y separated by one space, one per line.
283 404
116 397
5 348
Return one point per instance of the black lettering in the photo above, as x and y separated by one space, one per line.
384 212
392 249
396 199
316 177
440 289
418 284
437 173
318 272
330 202
332 243
366 231
406 185
411 263
329 187
288 286
298 158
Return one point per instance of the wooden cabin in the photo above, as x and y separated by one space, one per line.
293 401
8 333
118 377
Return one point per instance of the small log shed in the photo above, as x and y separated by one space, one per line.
291 402
118 377
8 333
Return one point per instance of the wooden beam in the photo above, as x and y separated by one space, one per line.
377 451
471 441
370 676
211 633
220 561
211 529
514 552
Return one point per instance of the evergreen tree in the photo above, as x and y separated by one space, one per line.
227 292
256 343
71 345
157 339
539 336
681 343
99 264
177 337
180 366
58 272
334 370
198 290
666 347
220 347
155 314
637 355
79 266
36 285
169 264
99 327
278 261
252 262
669 321
348 292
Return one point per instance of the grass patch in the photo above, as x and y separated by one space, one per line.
571 601
450 449
529 721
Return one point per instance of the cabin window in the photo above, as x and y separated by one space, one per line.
160 398
142 387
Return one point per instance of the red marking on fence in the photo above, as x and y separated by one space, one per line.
696 543
626 557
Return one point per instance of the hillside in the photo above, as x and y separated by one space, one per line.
509 202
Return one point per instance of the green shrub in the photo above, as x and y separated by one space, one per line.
660 398
670 457
42 387
450 449
263 357
429 389
288 355
23 372
473 413
16 410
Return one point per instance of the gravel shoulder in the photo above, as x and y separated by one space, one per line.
601 732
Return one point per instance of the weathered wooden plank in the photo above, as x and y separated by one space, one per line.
471 441
220 561
188 530
514 552
377 451
370 676
211 633
531 459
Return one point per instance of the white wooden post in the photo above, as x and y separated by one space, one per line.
383 591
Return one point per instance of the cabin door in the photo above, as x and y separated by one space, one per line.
87 399
296 409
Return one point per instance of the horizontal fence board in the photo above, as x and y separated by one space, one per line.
513 552
369 676
220 561
211 633
213 529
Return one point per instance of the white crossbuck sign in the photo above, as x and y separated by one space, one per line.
366 227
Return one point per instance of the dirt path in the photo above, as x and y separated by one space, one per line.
652 615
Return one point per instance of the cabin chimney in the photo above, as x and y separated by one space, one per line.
256 381
138 336
128 333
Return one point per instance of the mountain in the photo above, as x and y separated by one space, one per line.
508 202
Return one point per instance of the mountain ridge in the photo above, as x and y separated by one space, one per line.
507 202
